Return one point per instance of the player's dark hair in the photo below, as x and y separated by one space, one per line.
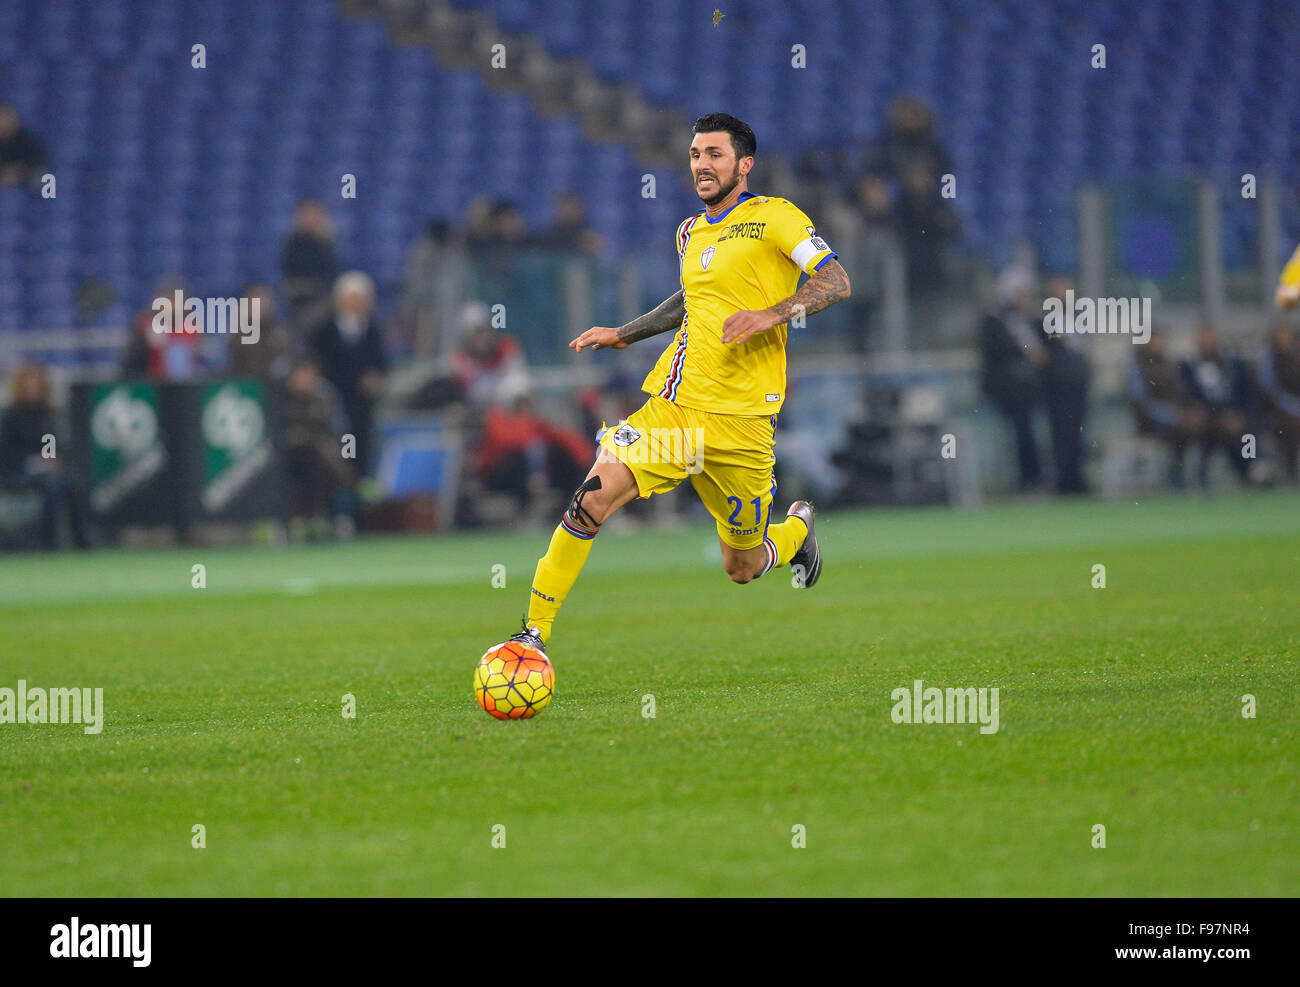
743 141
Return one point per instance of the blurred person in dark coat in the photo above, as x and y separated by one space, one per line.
270 356
351 355
909 156
1279 383
313 426
1164 406
1222 387
23 157
25 463
1065 388
1012 358
309 265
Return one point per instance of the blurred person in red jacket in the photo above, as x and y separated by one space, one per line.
173 355
524 455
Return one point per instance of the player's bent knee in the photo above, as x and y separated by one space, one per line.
609 486
740 570
588 506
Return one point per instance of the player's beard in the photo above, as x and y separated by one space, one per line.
724 190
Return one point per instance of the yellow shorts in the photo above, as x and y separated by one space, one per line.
729 459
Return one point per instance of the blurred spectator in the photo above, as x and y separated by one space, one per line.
269 357
309 265
508 224
480 223
1012 357
496 232
609 401
927 226
313 425
23 428
908 155
1222 388
1065 387
570 232
1279 382
875 203
23 158
485 357
162 355
525 456
352 358
434 289
1164 407
908 142
867 261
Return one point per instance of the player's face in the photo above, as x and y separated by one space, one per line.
714 167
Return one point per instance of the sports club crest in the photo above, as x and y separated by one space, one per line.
626 435
706 258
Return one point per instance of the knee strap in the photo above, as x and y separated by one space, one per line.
576 511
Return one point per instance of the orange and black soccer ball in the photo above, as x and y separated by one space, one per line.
514 681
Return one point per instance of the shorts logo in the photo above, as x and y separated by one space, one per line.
626 435
706 258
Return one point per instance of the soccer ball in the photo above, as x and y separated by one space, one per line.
514 681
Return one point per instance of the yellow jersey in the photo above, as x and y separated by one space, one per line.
748 258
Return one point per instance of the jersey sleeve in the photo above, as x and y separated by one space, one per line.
798 239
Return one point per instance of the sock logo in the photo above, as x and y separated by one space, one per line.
548 599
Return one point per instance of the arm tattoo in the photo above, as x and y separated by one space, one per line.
822 290
668 315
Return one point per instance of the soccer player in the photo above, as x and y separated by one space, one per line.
717 388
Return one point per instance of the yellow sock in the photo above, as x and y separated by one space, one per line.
783 540
556 573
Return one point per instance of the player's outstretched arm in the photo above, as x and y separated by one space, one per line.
828 286
666 316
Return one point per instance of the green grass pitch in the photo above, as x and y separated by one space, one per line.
1119 706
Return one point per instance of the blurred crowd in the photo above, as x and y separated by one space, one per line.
324 351
1209 403
900 189
332 362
